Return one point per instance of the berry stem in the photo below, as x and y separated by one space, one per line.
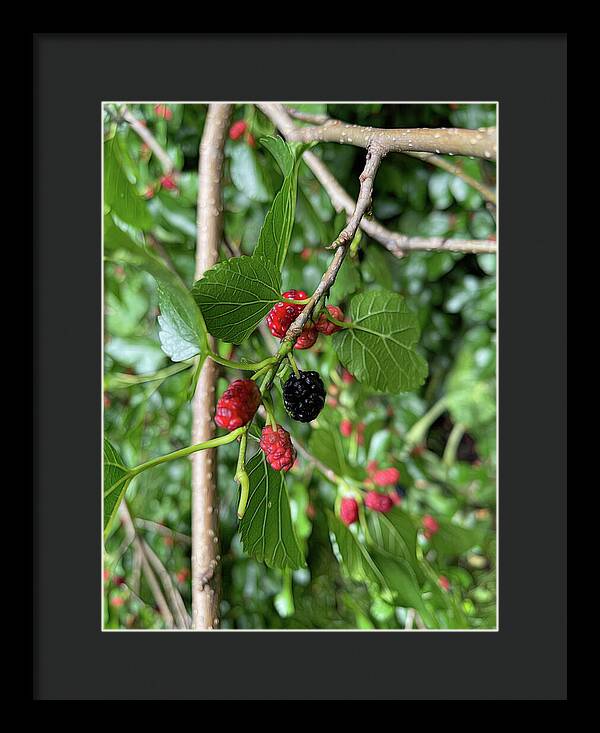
341 324
183 452
248 366
295 302
292 361
268 405
241 475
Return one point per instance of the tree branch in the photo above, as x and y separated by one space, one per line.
396 243
487 193
479 143
205 531
167 164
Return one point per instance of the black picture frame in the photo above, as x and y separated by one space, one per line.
526 657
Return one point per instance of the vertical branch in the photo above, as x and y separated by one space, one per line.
205 530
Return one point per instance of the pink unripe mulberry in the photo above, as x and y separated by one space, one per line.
444 583
164 111
430 525
348 510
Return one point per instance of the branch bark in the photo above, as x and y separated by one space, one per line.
396 243
205 530
479 143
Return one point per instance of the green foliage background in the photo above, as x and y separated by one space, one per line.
455 299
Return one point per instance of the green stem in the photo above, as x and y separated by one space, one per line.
213 443
341 324
241 475
452 443
295 302
294 366
419 430
247 366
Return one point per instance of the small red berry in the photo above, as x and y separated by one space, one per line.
378 502
117 601
372 467
164 111
250 140
106 575
183 575
430 523
323 325
307 338
149 192
395 497
282 315
444 582
386 477
169 182
306 254
237 129
346 428
347 377
348 510
237 404
277 447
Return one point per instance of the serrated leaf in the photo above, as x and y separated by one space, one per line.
274 237
379 349
266 529
119 193
116 480
234 296
281 151
182 332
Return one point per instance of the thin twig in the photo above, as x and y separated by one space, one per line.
167 164
182 618
487 193
161 529
392 241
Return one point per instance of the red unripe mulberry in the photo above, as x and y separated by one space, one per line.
237 404
307 338
348 510
325 326
237 129
277 447
346 428
282 315
378 502
444 583
164 111
430 525
169 182
386 477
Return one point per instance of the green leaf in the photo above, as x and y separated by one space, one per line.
326 445
246 173
379 348
274 237
394 533
452 540
119 193
182 331
116 480
235 295
266 529
281 151
471 385
393 577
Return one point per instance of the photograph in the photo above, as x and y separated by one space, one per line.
299 379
